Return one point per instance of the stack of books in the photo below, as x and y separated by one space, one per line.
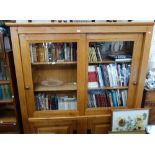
47 102
53 52
109 75
104 98
120 56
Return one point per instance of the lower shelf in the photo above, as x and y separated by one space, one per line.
6 101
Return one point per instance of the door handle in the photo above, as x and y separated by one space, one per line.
27 87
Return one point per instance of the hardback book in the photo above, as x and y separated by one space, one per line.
92 77
41 53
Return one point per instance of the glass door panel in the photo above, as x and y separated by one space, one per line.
54 75
109 64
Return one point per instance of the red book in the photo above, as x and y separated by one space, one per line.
92 77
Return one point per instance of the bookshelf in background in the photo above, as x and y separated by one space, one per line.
74 74
9 120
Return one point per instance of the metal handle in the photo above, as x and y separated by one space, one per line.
27 87
134 82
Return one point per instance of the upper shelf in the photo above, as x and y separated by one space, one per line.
54 63
110 61
65 87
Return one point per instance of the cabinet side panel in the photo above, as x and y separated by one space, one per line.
19 76
143 65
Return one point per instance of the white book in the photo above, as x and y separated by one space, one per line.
46 100
99 76
109 75
46 52
71 51
65 50
99 54
94 100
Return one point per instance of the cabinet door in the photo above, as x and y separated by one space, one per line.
113 62
54 127
53 74
100 125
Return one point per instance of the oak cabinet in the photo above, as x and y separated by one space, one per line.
70 71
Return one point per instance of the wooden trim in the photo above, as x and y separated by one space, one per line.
54 63
81 29
20 78
36 120
109 88
79 24
143 64
81 70
137 50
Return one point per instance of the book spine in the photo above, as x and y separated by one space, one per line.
31 53
92 77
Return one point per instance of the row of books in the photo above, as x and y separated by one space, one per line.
5 92
104 98
53 52
47 102
111 75
4 75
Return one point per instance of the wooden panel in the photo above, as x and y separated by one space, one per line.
152 116
99 125
102 128
57 130
82 29
143 69
83 24
150 96
54 126
81 74
137 51
61 75
19 76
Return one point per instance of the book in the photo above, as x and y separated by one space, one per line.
92 77
120 56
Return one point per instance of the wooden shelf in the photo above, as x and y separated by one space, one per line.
107 61
6 101
69 87
8 120
108 88
54 63
104 108
4 82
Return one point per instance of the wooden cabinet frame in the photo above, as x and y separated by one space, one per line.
21 34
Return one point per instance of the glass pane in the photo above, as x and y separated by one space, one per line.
54 73
4 74
5 92
108 73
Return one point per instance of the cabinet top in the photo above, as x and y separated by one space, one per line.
84 24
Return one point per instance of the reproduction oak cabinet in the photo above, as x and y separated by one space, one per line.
71 76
